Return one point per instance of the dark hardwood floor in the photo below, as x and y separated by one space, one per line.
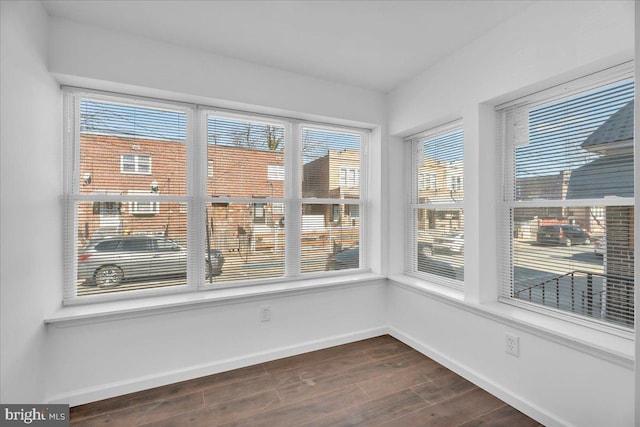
378 381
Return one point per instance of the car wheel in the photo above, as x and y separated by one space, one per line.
107 276
568 242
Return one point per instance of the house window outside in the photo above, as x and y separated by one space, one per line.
259 213
275 172
148 207
427 181
117 202
569 201
436 214
135 163
455 183
349 177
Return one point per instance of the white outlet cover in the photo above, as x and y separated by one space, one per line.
265 313
512 344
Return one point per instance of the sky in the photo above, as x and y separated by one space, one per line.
557 129
99 117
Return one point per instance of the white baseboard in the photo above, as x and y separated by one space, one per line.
523 405
106 391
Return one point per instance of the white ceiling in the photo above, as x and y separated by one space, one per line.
372 44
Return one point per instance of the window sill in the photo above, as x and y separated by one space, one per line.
605 345
124 309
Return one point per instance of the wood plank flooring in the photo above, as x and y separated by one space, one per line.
378 381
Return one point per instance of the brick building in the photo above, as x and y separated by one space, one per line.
112 165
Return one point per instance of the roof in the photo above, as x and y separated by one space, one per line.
618 127
606 176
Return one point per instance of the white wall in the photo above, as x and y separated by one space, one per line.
31 259
93 361
81 52
89 361
548 43
555 384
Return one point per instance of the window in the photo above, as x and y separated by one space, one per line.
568 204
349 177
267 215
436 214
147 207
135 163
427 181
275 172
331 188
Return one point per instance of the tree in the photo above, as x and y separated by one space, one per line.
274 138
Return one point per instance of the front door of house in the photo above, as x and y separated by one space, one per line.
110 215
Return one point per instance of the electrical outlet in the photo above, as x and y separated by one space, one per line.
265 313
512 345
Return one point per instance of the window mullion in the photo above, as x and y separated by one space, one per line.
293 206
196 194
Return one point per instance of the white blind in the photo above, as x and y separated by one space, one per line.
332 191
568 200
244 217
435 225
128 196
167 197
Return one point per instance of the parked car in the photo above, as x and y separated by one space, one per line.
562 234
346 258
427 264
452 243
110 260
600 247
350 258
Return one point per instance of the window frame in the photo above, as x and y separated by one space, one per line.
136 164
349 182
414 146
195 198
143 198
508 191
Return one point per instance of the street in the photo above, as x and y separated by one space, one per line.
529 258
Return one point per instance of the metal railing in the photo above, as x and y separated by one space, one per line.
575 292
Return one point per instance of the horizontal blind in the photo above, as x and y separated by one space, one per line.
168 197
568 201
128 199
435 226
245 213
331 193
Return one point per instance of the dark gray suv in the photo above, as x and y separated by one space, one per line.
562 234
109 261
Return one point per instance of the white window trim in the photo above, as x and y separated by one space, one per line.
412 176
506 187
134 206
347 182
427 181
196 199
275 172
613 346
136 164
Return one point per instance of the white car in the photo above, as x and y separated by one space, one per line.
452 243
600 247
